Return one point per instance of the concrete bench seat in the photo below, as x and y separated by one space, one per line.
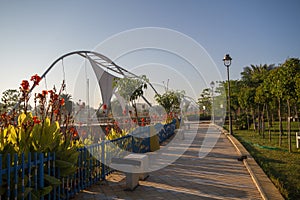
134 166
126 161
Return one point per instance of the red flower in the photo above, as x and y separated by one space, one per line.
143 119
56 111
25 85
107 129
55 97
104 106
36 120
51 93
44 92
62 102
36 79
3 116
74 132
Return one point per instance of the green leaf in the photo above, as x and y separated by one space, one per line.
52 180
46 190
64 172
21 118
12 137
54 128
35 195
26 192
46 122
63 164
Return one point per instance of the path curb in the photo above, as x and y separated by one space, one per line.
264 185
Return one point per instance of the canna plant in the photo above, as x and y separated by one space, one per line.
48 130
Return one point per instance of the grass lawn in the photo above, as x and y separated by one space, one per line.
282 167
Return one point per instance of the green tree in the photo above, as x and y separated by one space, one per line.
263 94
170 100
297 90
275 79
205 101
290 68
131 89
252 78
246 100
9 99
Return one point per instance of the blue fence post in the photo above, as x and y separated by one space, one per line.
0 169
8 176
77 175
88 159
99 162
15 176
59 189
49 169
132 144
84 168
35 171
103 159
92 161
29 173
80 170
41 172
23 176
54 174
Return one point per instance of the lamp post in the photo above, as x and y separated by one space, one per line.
212 85
227 62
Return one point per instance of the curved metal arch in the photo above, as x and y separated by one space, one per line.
99 59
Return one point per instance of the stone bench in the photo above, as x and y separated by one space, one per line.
134 166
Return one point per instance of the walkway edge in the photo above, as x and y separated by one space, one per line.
264 185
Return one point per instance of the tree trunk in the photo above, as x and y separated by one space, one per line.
269 123
297 117
280 122
248 120
273 122
136 112
263 122
259 120
253 119
289 126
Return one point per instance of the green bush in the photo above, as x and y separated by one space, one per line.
22 132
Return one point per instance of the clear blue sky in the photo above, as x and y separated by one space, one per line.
34 33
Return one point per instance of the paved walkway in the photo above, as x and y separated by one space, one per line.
218 175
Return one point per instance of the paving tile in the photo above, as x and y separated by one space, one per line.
219 175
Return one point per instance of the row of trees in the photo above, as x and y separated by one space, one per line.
264 94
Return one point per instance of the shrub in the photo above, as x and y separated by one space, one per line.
46 131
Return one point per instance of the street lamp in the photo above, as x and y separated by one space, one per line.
212 85
227 62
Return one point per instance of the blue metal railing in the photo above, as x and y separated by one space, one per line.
23 177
